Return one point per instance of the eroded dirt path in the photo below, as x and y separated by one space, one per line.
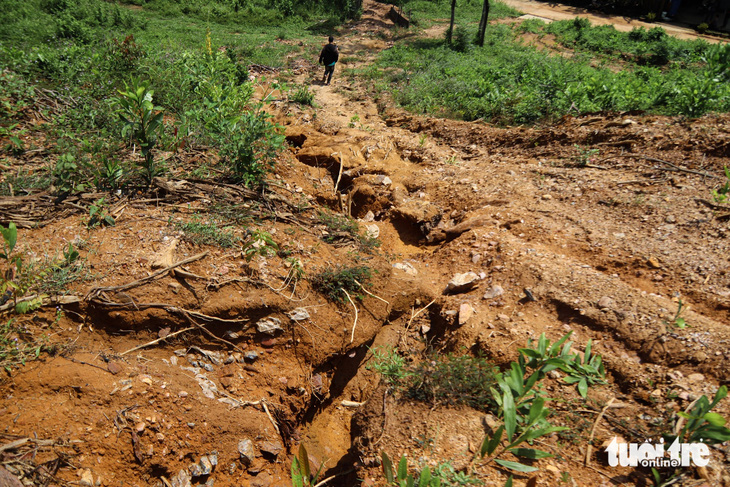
605 249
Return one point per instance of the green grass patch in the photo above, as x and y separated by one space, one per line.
199 232
509 83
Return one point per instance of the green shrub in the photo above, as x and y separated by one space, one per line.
250 145
303 96
332 281
141 122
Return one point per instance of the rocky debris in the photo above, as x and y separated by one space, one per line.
272 448
114 367
466 311
245 449
493 292
441 234
9 480
406 267
372 231
606 303
205 466
251 356
462 283
86 478
182 479
383 179
423 214
269 326
298 314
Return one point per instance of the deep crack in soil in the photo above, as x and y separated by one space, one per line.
605 250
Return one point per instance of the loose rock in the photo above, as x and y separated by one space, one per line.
272 448
269 326
245 449
461 283
466 311
493 292
298 314
605 303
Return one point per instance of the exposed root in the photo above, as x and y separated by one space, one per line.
352 335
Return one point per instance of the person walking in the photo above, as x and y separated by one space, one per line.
329 56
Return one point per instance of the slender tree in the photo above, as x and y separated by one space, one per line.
483 23
450 32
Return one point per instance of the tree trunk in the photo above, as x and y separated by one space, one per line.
450 32
483 23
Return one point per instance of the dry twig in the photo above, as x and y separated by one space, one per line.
589 449
145 280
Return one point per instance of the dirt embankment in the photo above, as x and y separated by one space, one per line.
605 248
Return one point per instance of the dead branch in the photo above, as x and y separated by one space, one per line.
155 342
140 282
210 333
671 166
712 205
589 449
46 300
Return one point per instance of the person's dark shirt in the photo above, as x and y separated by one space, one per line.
329 54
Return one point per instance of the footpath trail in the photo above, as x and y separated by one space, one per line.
556 11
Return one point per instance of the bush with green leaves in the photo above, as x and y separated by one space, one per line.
250 145
141 122
720 195
514 396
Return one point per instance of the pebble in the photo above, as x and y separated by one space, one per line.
461 283
270 325
493 292
406 267
245 449
653 263
273 448
466 311
696 377
182 479
605 303
298 314
251 356
114 367
87 478
268 342
502 317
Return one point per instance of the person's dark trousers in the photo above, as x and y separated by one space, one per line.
328 70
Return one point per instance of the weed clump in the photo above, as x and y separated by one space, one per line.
331 282
198 232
